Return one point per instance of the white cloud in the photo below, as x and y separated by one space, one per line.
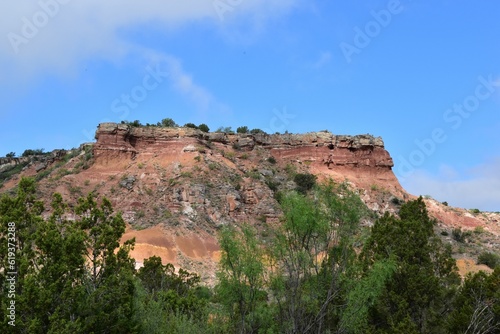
478 188
184 83
56 35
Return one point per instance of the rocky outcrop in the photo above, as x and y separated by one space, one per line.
320 147
41 161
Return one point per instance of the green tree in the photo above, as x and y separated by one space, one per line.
419 293
242 129
256 131
203 127
20 216
30 152
168 123
305 182
109 280
10 155
72 276
492 260
190 125
311 255
240 286
477 306
55 290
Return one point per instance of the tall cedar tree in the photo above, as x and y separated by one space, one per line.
418 295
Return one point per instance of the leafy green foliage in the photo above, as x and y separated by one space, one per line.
203 127
241 279
30 152
190 125
416 296
242 129
257 131
459 235
305 182
225 129
134 124
476 308
492 260
363 296
168 123
311 254
74 276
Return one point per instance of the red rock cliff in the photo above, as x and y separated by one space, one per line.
360 159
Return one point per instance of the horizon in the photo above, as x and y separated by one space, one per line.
423 76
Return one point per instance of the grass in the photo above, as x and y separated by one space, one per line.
41 175
254 174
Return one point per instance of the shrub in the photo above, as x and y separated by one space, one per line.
479 230
135 124
256 131
445 203
10 155
190 125
226 129
203 127
242 129
397 201
475 211
272 185
459 235
29 152
490 259
304 182
168 123
271 160
254 174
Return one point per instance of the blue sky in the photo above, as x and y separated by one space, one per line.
423 75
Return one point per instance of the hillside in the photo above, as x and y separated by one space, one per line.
177 186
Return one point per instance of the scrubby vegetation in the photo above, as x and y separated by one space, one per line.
492 260
317 272
169 123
